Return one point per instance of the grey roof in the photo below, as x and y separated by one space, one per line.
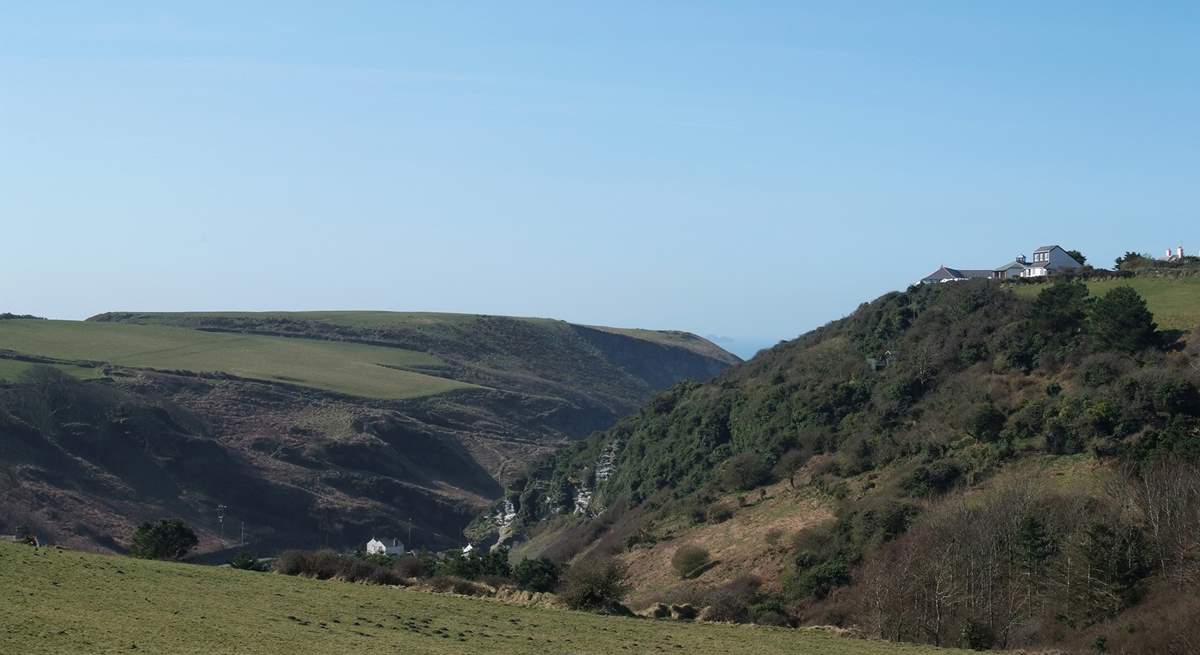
1013 264
947 273
1046 248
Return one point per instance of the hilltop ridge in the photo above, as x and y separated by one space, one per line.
316 428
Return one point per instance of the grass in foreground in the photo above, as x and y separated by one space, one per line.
350 368
69 602
1175 302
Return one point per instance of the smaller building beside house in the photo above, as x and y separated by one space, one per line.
947 274
377 547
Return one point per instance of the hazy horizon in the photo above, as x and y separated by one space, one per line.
726 170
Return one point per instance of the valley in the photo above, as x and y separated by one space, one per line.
312 428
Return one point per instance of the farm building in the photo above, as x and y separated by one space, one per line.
377 547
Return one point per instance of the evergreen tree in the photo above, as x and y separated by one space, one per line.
1121 322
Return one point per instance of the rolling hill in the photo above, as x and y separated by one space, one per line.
312 428
61 601
956 464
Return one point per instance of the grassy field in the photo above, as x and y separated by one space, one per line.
58 601
355 369
11 369
1175 302
431 323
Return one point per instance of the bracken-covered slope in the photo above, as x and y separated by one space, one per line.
311 429
936 467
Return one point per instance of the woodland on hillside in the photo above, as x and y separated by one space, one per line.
918 418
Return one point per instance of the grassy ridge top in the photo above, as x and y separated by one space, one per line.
430 323
1175 302
63 601
356 369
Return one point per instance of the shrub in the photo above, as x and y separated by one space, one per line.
539 574
719 514
450 584
596 584
688 559
818 580
731 601
745 471
986 422
409 566
244 561
931 479
166 539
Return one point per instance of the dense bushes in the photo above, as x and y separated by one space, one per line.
164 539
595 584
327 565
537 574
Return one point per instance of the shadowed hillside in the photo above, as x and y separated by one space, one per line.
312 429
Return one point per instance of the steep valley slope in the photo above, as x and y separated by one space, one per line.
303 429
975 464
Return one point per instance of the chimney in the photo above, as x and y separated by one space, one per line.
1179 252
1168 256
1021 258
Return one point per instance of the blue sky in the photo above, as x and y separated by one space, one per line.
743 169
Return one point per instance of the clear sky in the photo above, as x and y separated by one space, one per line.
742 169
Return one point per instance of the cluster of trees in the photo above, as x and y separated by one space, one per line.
1133 261
491 567
1018 564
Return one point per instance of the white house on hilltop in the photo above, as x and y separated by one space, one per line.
377 547
1047 260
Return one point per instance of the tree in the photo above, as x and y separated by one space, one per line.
688 559
596 584
1061 309
745 471
537 574
986 423
165 539
1121 322
1077 256
1131 260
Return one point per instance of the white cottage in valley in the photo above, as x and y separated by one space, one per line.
377 547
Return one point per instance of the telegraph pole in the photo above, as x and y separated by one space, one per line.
221 521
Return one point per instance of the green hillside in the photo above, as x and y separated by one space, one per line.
350 368
1174 301
379 325
955 451
58 601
